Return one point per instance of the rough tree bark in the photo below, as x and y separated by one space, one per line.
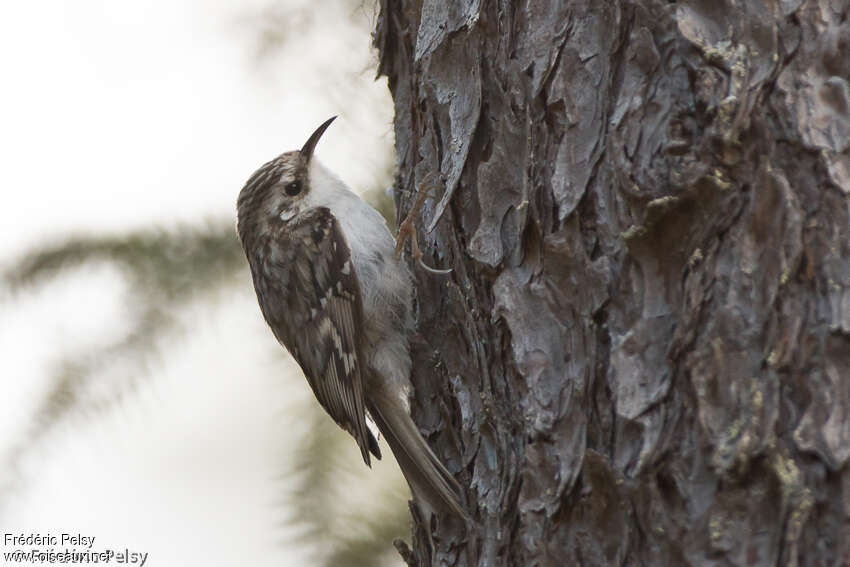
642 356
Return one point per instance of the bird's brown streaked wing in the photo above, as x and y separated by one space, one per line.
327 347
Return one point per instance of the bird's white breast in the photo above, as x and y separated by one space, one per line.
384 283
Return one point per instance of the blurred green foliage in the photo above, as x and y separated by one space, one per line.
163 269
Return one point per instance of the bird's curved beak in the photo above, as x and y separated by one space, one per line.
310 145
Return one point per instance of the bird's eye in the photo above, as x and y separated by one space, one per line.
293 188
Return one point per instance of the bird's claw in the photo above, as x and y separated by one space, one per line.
407 228
437 271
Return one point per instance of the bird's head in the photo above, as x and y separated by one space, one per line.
278 191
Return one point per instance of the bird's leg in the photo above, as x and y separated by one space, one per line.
407 228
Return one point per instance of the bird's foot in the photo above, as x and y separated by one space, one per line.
407 228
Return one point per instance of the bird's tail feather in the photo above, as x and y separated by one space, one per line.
425 474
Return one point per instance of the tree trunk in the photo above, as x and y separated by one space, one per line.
642 355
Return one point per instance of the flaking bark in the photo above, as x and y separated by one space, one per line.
642 356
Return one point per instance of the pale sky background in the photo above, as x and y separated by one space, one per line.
120 115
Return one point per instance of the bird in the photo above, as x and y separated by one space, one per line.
336 296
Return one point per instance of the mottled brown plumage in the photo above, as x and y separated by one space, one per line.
334 295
